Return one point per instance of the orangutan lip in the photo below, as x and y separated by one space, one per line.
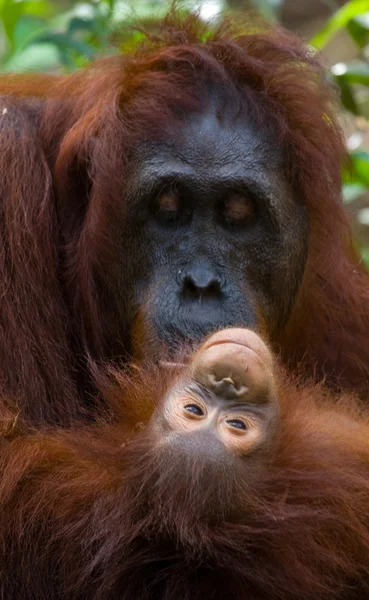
228 341
172 364
206 346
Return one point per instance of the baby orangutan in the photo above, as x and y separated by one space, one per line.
212 479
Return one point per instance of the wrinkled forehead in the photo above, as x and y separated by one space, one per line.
219 137
217 142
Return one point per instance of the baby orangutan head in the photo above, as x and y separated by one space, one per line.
212 432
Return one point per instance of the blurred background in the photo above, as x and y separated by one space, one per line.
65 35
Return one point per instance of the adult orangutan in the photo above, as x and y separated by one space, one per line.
145 203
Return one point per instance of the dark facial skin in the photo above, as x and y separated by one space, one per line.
216 235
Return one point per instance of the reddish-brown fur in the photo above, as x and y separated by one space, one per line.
73 523
84 514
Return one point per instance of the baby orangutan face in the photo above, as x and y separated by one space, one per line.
226 403
210 438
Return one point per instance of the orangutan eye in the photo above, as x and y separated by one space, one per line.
237 424
170 207
194 409
169 203
237 210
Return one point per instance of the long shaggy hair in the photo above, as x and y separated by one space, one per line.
105 513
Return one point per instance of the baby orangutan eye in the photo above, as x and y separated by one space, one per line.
194 409
237 424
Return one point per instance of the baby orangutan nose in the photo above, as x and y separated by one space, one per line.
228 393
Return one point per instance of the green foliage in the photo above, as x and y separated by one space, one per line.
343 18
47 35
49 38
352 79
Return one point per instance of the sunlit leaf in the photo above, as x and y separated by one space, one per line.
10 15
363 20
339 21
40 8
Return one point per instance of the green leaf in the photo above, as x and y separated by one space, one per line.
88 25
358 33
339 21
39 8
363 20
351 73
65 43
11 12
26 29
348 99
10 15
360 167
111 4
